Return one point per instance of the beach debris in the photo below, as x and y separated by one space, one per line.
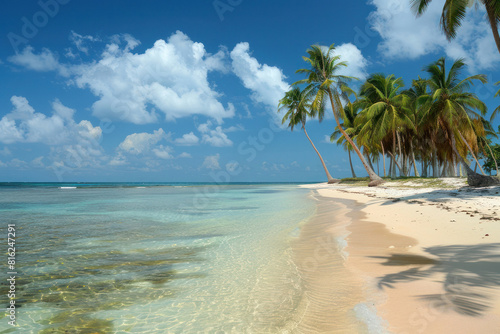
486 235
452 220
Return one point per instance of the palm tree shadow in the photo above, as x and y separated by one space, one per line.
467 269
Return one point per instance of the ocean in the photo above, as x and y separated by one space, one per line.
153 258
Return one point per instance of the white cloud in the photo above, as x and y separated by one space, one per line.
138 143
188 139
185 155
211 162
42 62
267 83
169 78
118 160
24 125
38 162
356 62
81 41
215 137
404 36
163 152
326 139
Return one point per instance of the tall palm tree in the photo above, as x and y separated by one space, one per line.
418 89
385 112
452 109
297 104
454 12
324 81
349 117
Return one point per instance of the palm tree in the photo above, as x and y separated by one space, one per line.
349 116
297 104
452 109
454 12
385 112
324 81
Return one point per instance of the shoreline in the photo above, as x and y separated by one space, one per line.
429 258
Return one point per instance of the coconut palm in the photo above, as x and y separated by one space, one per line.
351 111
385 112
297 104
324 81
452 109
454 12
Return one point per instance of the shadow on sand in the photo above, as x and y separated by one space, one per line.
468 270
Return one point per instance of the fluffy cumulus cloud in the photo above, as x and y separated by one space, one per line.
188 139
71 144
211 162
139 143
214 137
25 125
404 36
356 62
168 80
267 83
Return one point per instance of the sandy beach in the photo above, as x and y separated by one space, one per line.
428 258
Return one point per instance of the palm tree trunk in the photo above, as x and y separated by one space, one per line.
328 176
350 162
375 179
494 24
383 155
401 159
413 157
393 161
474 179
471 152
493 157
435 168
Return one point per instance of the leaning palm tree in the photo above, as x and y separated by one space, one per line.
452 109
324 82
351 111
454 12
297 104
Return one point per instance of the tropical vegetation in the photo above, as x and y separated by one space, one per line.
435 127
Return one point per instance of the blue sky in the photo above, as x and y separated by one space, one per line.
187 90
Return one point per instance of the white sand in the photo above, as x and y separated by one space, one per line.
430 258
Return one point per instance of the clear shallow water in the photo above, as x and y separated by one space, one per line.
158 259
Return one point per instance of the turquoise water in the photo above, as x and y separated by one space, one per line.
143 258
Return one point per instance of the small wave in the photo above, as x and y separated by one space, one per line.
368 314
141 187
67 187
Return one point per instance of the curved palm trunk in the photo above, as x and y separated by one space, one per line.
375 179
471 152
328 176
383 156
350 162
494 25
474 179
